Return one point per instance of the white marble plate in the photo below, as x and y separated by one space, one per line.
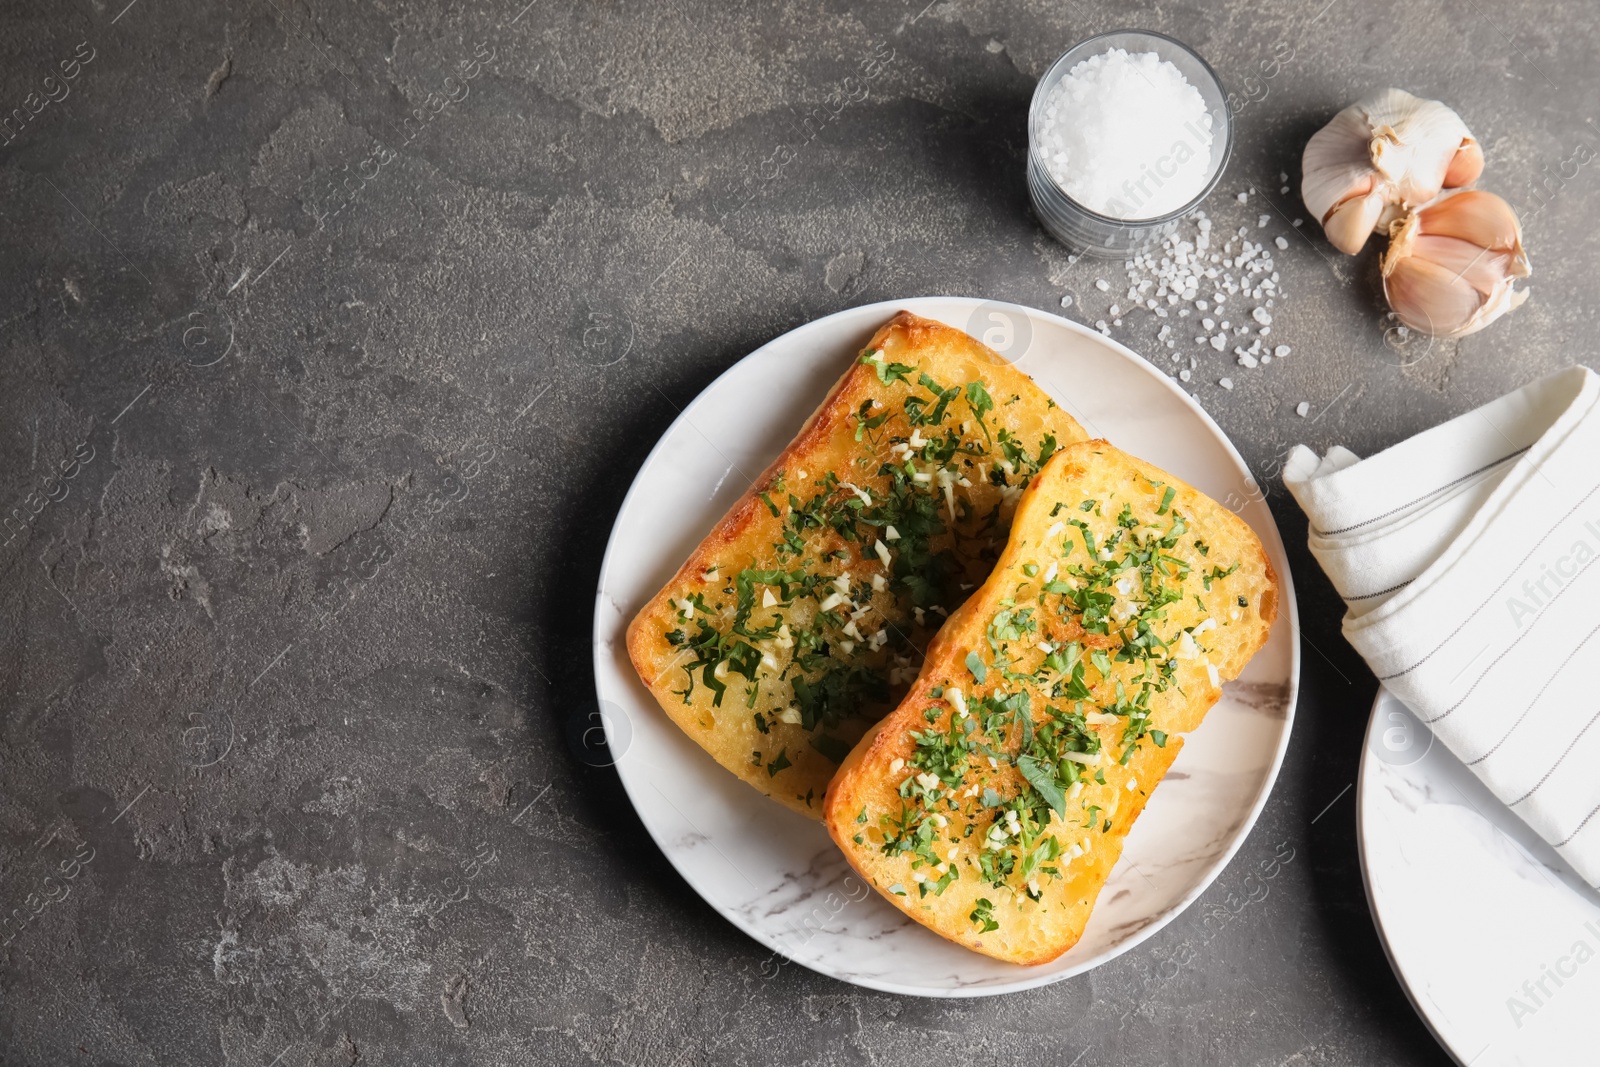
1495 939
775 874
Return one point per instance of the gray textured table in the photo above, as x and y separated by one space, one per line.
323 377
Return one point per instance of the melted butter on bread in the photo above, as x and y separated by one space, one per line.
992 804
801 618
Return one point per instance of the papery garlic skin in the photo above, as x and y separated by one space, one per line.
1452 265
1380 158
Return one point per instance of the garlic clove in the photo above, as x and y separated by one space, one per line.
1429 297
1337 165
1349 224
1479 267
1465 166
1475 216
1392 145
1452 265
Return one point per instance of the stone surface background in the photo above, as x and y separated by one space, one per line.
295 657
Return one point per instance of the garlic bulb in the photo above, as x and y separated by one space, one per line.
1452 265
1380 158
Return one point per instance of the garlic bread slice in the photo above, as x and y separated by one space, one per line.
800 619
992 803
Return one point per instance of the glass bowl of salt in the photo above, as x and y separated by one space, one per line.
1128 132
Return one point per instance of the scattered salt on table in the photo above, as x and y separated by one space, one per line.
1239 277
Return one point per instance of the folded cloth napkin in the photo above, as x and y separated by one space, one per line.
1466 556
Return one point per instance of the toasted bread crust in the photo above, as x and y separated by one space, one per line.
873 797
778 757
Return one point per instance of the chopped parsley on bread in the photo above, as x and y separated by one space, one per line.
801 618
993 802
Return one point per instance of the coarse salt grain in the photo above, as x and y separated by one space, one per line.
1175 273
1126 135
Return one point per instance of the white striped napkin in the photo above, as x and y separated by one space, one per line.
1465 555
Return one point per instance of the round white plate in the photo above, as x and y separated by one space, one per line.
1493 936
775 874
